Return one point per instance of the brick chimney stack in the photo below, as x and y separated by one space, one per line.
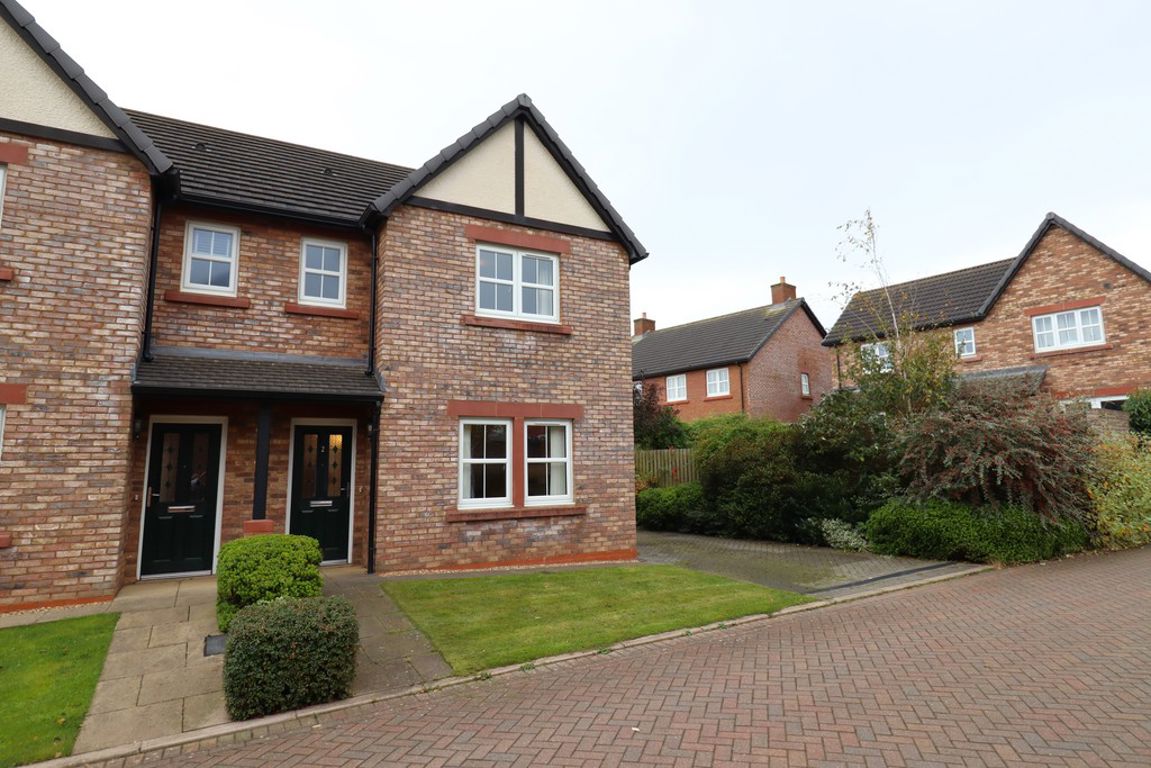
780 292
643 326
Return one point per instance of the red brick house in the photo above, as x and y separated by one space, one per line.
207 334
1068 315
765 362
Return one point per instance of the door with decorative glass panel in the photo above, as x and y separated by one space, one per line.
180 499
320 504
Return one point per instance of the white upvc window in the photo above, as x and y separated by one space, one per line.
323 273
516 283
547 452
3 413
718 382
878 352
676 388
3 178
485 463
211 258
1068 330
805 385
964 342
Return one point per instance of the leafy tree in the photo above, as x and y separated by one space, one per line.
656 425
1138 408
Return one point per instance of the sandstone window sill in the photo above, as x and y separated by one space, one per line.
971 359
514 513
292 308
515 325
718 397
183 297
1073 351
7 274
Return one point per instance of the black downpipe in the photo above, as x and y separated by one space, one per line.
374 490
372 312
153 260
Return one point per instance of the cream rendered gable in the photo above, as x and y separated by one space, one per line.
30 92
485 177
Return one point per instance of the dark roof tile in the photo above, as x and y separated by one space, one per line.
237 376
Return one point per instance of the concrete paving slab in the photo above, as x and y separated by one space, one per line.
131 617
204 710
430 665
124 726
203 613
131 639
141 662
114 694
178 684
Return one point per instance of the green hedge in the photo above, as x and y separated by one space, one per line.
941 530
265 567
289 653
675 508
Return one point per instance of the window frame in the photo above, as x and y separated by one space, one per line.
804 384
518 284
462 462
312 301
667 388
234 260
547 501
886 365
956 342
3 423
1076 313
726 381
3 183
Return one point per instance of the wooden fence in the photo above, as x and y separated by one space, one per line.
671 466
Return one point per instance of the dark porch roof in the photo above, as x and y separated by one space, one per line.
1029 378
185 374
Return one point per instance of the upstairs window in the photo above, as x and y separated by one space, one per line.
517 284
1068 330
323 273
676 388
877 354
718 383
210 258
964 342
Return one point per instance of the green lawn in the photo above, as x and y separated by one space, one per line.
47 675
491 621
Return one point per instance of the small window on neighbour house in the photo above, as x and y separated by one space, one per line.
210 258
676 388
877 353
1068 330
519 284
805 385
964 342
323 273
718 383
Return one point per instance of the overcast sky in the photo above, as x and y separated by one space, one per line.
734 137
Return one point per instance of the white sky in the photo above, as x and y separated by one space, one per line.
732 136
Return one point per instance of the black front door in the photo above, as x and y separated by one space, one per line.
322 486
180 501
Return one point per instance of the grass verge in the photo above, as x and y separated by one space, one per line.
48 673
491 621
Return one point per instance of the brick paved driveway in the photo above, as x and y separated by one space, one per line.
1042 665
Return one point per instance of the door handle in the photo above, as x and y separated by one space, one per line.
319 503
149 495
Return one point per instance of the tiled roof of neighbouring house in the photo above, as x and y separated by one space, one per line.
175 373
215 164
952 298
723 340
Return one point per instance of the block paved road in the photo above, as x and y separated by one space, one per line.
1039 665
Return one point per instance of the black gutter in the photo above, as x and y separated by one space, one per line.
242 207
153 260
374 489
249 394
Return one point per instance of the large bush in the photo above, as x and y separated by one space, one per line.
1121 492
655 426
265 567
675 508
943 530
289 653
1138 408
996 446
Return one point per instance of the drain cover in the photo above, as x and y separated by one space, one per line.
214 644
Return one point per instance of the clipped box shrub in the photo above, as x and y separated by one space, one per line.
265 567
675 508
943 530
289 653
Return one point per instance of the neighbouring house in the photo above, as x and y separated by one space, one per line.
765 362
207 334
1067 315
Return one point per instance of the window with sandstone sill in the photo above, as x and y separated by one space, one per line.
675 388
517 284
211 256
323 273
485 463
3 178
1068 330
548 473
3 413
805 385
718 382
964 342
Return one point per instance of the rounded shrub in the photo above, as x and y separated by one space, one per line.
289 653
265 567
675 508
1138 408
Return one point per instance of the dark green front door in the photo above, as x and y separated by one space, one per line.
181 497
321 487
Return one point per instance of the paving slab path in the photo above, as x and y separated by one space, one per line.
1042 665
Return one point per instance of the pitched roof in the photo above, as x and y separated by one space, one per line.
519 107
174 373
723 340
91 94
219 165
952 298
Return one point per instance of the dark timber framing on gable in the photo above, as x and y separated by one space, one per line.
519 138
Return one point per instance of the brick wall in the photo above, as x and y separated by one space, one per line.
774 373
75 231
1062 268
268 277
698 405
428 357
